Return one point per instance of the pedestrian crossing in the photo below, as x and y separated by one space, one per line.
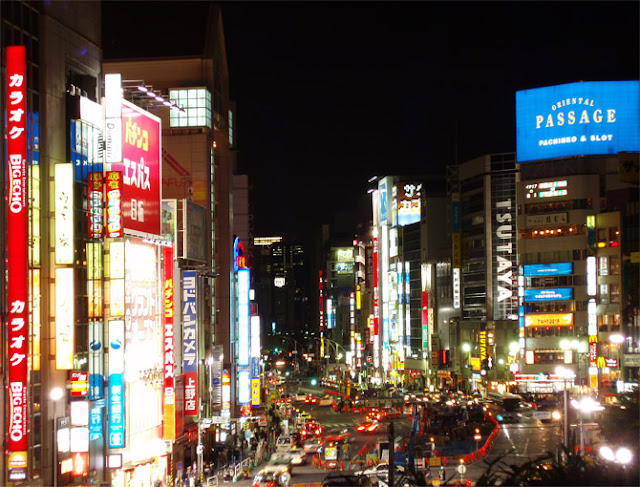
310 484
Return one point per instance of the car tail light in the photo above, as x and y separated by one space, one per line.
270 484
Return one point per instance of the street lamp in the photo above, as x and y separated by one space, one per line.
55 395
566 375
585 405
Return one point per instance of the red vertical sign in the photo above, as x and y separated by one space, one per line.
113 185
169 402
376 305
17 287
96 205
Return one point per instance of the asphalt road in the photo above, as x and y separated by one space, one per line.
515 444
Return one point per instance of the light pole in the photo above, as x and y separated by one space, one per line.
55 395
585 405
566 375
466 348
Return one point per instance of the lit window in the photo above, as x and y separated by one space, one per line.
196 103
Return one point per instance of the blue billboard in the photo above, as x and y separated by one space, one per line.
548 294
542 270
586 118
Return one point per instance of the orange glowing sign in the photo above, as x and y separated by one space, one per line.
557 319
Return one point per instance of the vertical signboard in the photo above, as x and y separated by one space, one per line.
116 426
96 204
64 213
16 245
65 318
189 343
244 344
113 190
96 360
113 117
169 396
141 170
504 240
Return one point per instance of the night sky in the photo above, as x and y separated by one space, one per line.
331 93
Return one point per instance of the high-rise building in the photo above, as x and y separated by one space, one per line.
45 245
578 236
197 187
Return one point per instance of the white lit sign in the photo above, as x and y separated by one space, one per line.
456 288
65 318
244 387
79 413
592 319
79 439
255 336
244 345
278 281
113 117
64 213
592 277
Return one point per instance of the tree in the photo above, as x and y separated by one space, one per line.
571 469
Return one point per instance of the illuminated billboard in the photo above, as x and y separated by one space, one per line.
540 270
556 319
244 331
116 426
64 233
548 294
189 343
409 203
141 169
169 352
16 236
586 118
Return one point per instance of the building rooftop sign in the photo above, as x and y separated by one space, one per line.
586 118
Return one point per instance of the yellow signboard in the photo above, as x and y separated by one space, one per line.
556 319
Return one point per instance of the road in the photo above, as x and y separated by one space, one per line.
515 444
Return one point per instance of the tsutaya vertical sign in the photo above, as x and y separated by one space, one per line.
189 343
169 396
16 245
505 304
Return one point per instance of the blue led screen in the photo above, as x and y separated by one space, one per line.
548 294
587 118
540 270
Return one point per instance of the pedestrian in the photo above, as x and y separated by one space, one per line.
443 473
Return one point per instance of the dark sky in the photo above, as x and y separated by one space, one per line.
331 93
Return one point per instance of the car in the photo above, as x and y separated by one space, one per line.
299 397
368 427
341 479
326 401
284 443
272 476
381 471
310 399
313 445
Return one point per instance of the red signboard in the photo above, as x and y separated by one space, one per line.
113 183
79 384
376 305
96 205
141 170
169 402
16 245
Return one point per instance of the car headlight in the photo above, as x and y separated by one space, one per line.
556 415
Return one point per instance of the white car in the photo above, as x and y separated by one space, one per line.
326 401
285 443
380 471
272 476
